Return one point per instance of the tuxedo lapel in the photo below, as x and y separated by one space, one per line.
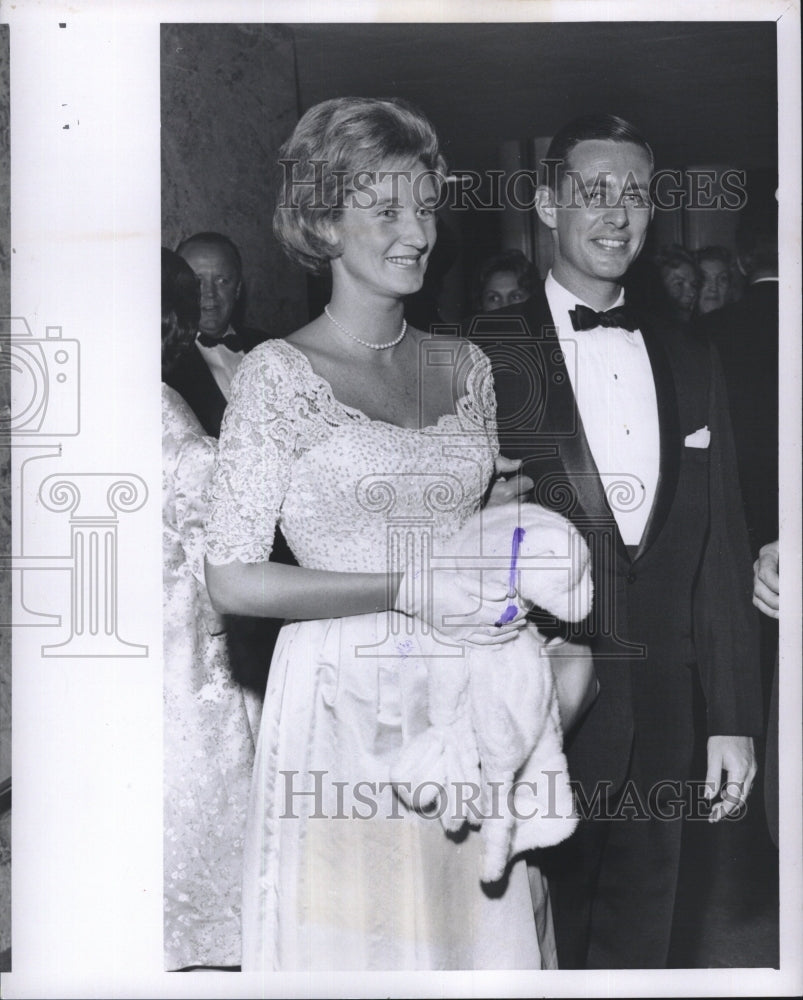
557 443
669 430
562 426
562 420
196 383
194 380
251 337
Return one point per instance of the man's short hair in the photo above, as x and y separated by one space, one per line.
216 240
333 142
593 126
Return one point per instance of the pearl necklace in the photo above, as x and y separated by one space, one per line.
365 343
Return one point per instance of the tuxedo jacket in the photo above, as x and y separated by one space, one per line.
674 614
193 380
746 337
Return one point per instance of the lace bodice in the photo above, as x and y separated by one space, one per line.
335 480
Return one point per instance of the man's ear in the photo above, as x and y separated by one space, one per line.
545 205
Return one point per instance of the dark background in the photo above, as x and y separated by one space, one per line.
703 94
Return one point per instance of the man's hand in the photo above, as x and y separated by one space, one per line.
508 485
765 580
735 756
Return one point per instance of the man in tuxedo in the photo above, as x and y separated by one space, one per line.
623 427
203 376
745 334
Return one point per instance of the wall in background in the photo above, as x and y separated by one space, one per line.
228 102
231 94
5 178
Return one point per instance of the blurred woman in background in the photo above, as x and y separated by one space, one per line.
715 265
504 279
208 718
680 281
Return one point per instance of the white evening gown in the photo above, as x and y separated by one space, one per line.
337 873
208 719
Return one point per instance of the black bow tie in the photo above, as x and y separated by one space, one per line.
584 318
232 340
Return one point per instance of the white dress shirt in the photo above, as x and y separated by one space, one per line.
612 380
222 363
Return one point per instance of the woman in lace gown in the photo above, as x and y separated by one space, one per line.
208 718
365 440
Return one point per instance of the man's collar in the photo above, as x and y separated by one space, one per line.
562 302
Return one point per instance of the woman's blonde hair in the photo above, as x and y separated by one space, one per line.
335 142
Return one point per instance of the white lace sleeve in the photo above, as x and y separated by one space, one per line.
257 445
481 395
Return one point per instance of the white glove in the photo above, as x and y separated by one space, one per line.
462 603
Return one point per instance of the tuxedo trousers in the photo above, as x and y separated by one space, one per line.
613 883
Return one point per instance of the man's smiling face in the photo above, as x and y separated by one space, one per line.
600 217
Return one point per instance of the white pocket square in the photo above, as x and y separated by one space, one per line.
699 439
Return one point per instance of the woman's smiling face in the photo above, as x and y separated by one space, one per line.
386 230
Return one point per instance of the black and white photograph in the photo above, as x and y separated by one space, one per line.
467 664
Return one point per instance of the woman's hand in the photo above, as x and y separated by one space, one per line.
462 604
508 484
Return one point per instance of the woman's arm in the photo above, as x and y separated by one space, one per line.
576 681
258 446
273 590
261 438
